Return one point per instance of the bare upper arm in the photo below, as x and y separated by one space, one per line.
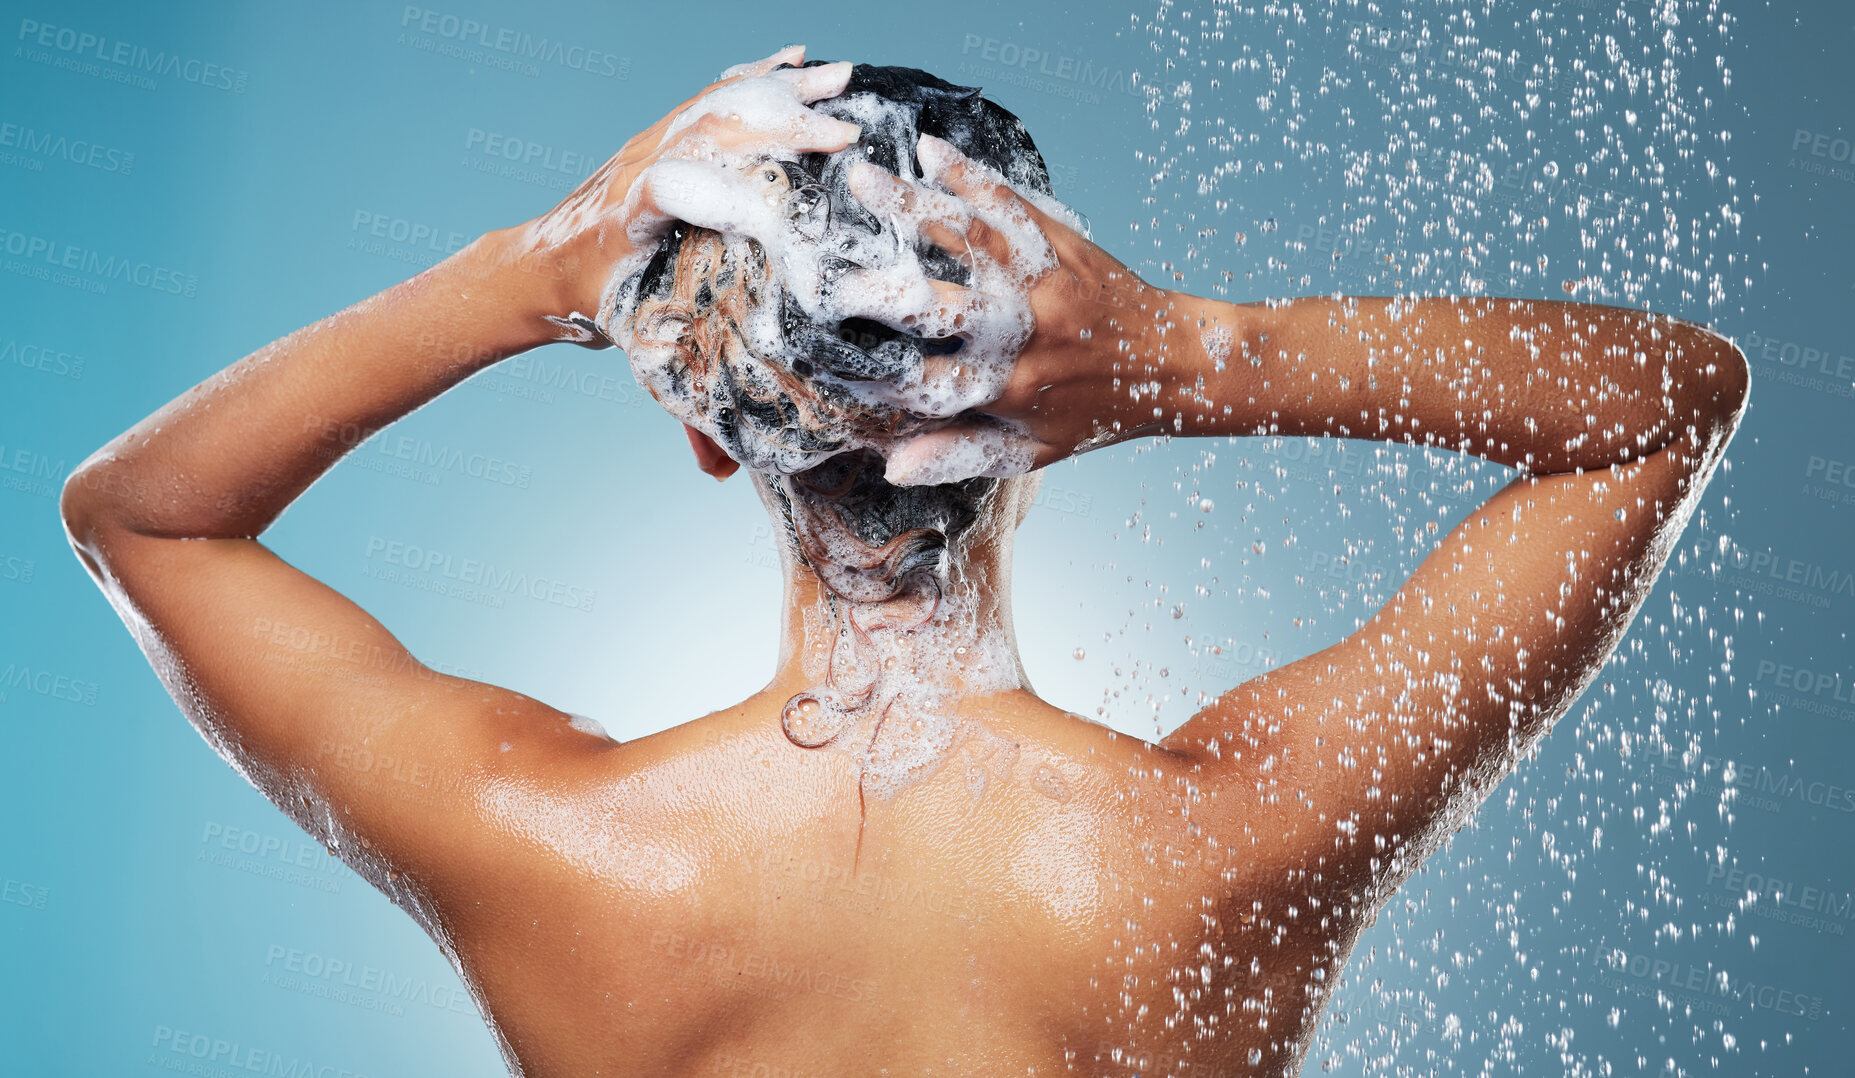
316 703
1362 756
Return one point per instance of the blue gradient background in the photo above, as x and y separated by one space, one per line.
125 911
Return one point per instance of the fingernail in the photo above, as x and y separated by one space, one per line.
791 54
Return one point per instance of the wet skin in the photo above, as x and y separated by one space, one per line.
1031 909
714 897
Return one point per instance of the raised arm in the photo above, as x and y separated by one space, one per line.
1374 749
1367 753
306 695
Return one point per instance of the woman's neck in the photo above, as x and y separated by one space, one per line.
890 682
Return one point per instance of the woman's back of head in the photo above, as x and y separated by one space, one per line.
749 342
766 346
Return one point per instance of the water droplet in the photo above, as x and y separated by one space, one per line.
808 723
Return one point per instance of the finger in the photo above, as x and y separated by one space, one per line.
791 54
1008 226
943 163
711 458
763 113
902 299
721 137
887 195
950 241
970 447
977 237
815 83
705 195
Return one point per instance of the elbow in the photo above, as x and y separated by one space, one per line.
1720 384
1730 376
91 505
79 507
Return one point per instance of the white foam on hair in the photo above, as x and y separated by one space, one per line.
716 189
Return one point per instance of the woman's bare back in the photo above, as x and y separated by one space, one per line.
1043 904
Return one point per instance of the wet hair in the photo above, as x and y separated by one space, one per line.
730 349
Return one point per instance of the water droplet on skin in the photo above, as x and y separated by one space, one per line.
809 723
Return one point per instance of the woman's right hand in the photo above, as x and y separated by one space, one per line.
1094 318
693 165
